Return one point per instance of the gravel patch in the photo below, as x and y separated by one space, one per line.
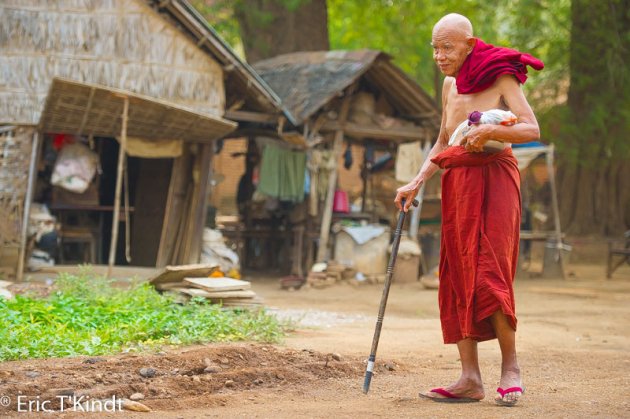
315 318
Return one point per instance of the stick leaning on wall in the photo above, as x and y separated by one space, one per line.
119 182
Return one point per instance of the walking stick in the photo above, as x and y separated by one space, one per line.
381 310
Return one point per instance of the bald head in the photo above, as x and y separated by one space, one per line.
452 41
454 22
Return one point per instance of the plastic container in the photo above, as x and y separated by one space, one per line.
340 202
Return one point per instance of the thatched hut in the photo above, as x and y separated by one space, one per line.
115 72
358 98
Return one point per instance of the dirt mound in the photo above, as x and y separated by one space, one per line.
171 380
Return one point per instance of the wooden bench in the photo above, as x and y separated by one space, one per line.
618 248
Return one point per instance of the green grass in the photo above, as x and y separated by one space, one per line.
88 316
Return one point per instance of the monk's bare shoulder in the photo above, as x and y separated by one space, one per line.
513 96
507 83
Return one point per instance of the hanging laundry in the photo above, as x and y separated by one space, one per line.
75 167
282 173
347 157
320 165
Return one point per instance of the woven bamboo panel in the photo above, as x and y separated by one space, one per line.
124 44
15 153
80 108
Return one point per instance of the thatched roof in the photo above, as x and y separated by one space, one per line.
306 81
122 44
163 49
81 108
245 89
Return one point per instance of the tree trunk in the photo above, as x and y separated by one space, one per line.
274 27
594 182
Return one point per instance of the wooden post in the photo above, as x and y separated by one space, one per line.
173 212
367 167
298 244
27 206
119 182
127 216
313 198
200 206
324 232
414 223
556 210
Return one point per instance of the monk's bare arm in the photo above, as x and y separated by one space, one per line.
428 169
524 131
527 127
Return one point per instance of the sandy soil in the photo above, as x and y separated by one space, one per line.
573 343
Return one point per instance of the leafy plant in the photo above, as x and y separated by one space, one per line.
90 316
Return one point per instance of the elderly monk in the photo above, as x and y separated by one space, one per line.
480 204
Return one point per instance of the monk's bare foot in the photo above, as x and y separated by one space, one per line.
510 387
466 388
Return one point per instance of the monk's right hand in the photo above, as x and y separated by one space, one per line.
408 193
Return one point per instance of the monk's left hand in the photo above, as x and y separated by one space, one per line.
477 137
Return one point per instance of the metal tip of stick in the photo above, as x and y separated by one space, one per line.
366 382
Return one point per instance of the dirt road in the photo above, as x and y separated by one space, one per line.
573 340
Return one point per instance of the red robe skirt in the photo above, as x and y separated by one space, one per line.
481 214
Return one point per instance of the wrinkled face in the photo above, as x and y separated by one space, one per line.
450 49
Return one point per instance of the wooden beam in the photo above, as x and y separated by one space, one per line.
252 132
27 205
175 209
398 134
200 207
7 128
188 225
119 179
324 232
556 209
245 116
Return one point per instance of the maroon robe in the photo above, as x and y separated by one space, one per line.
481 213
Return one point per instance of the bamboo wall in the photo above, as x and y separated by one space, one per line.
223 195
117 43
15 155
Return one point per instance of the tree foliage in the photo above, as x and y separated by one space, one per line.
403 28
220 14
259 29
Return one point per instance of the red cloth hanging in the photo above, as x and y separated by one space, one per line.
59 140
481 212
486 63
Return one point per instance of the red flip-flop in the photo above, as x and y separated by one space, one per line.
502 392
448 397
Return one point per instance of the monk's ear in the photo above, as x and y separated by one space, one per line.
470 42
